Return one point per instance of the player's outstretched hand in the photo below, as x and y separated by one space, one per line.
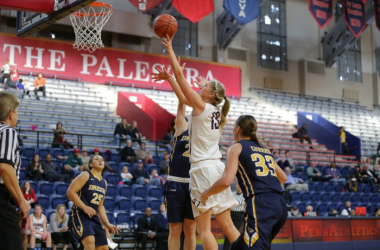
89 211
201 81
167 42
162 74
113 229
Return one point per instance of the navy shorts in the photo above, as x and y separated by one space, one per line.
82 226
265 215
178 201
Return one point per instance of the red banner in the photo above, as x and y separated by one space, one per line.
107 65
194 10
364 1
145 5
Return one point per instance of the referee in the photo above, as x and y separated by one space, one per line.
237 214
10 233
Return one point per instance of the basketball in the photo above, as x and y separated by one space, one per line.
165 24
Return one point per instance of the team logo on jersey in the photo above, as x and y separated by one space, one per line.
78 228
173 190
250 230
196 202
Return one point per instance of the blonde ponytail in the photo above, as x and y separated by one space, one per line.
224 113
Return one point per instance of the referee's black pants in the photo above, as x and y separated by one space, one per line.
10 232
238 220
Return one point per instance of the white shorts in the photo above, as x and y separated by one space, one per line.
202 176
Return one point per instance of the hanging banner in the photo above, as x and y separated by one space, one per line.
364 1
354 15
145 5
376 8
321 11
194 10
243 11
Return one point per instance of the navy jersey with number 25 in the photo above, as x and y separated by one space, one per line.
257 170
92 193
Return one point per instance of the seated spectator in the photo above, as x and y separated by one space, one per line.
29 194
20 87
141 176
128 154
27 87
122 131
37 227
126 177
334 174
369 162
74 162
367 175
11 87
294 212
40 85
310 212
50 171
164 164
347 210
59 229
313 173
293 183
270 146
147 229
278 159
302 134
352 213
163 224
333 213
377 212
352 185
144 154
15 75
288 161
5 70
85 157
358 174
376 172
167 140
35 169
58 140
135 134
154 175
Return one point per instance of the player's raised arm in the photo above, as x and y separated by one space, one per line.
195 101
163 74
180 122
72 193
229 174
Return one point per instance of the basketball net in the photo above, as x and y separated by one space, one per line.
88 24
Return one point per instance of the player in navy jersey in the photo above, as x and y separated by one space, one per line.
87 193
177 193
260 179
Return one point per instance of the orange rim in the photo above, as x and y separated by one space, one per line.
95 4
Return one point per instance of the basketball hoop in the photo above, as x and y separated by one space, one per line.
88 24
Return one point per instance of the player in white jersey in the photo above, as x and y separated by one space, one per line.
205 126
37 227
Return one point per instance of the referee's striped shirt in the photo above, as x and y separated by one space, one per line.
9 148
240 200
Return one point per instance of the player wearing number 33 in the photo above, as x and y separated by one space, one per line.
259 177
87 193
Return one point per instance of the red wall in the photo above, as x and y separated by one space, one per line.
153 120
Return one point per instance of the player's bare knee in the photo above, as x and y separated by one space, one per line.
175 231
189 229
32 235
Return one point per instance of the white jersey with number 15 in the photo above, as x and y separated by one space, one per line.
204 135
